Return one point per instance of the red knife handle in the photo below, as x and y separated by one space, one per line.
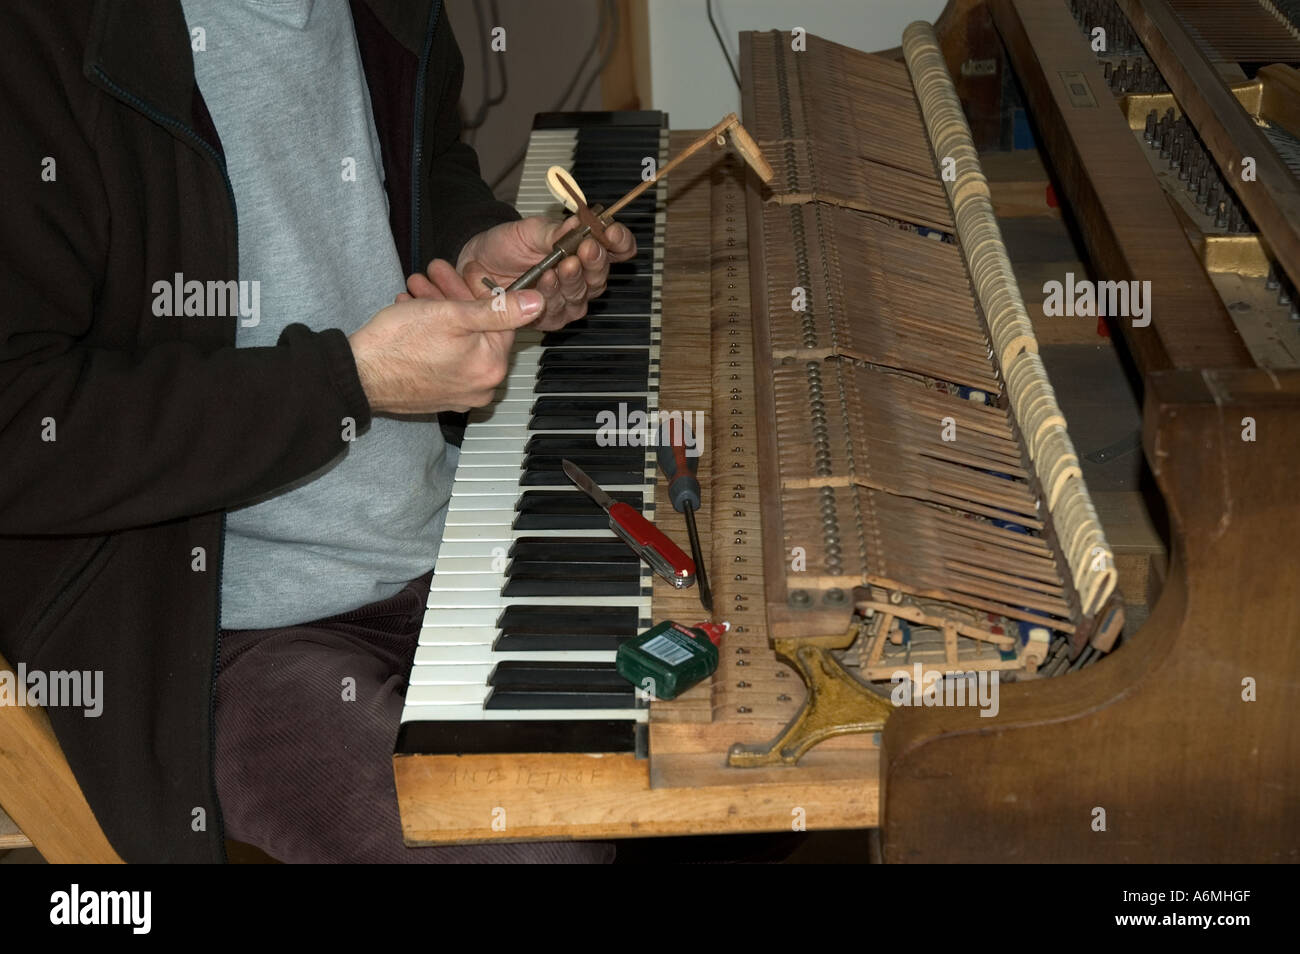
646 537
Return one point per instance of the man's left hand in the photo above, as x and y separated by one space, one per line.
506 251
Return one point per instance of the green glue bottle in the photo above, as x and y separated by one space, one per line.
669 658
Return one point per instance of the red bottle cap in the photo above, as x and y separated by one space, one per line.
713 630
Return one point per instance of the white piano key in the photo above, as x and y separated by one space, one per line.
441 617
470 583
457 635
455 657
480 562
434 713
495 520
474 494
505 533
474 546
499 416
471 599
453 676
423 694
488 443
493 463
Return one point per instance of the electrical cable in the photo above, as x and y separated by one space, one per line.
608 16
480 115
605 57
708 9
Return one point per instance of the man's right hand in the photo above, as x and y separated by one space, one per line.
419 355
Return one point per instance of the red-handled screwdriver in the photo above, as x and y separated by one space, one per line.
684 492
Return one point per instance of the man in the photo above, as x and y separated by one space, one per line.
232 513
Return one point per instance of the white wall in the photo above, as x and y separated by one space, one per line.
689 76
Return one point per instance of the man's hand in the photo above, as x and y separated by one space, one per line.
420 356
504 252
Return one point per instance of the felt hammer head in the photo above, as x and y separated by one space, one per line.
750 152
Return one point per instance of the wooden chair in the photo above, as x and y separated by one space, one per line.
39 793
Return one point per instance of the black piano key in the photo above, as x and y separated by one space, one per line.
575 627
521 686
554 642
582 414
584 337
570 585
587 383
546 510
611 323
576 502
599 379
602 476
580 447
627 302
511 736
595 358
571 567
523 676
630 301
623 459
589 405
631 470
639 374
572 549
523 701
602 622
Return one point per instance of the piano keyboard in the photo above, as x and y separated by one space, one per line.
532 593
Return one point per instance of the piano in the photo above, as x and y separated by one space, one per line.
890 483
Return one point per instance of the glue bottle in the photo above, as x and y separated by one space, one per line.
669 658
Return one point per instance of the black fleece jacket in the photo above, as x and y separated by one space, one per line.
124 436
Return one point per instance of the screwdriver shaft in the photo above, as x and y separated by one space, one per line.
701 575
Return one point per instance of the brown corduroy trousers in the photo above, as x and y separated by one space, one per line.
306 720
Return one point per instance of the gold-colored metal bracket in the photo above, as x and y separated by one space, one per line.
837 704
1272 96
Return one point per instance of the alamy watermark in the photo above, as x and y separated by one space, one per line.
1089 299
632 427
74 689
78 906
211 299
934 688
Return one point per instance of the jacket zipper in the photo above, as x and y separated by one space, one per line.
417 141
220 162
417 149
